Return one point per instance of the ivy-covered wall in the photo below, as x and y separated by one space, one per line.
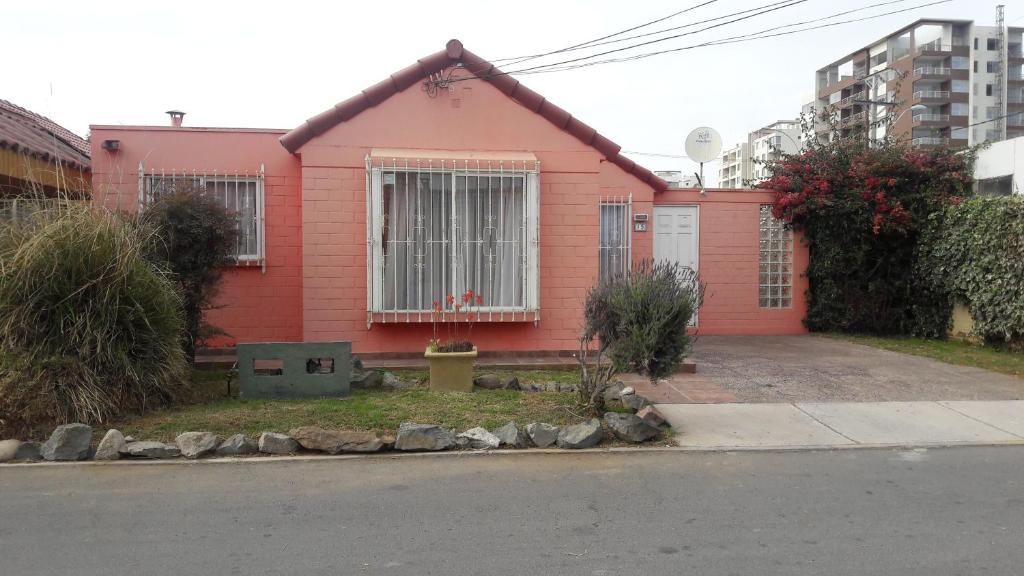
974 251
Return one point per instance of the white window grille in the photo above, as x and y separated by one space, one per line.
775 261
443 227
614 251
242 195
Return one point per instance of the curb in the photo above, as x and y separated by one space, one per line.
526 452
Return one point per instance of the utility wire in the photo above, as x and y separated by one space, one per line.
653 154
519 59
992 119
558 67
679 156
649 42
838 14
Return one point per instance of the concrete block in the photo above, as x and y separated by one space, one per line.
295 371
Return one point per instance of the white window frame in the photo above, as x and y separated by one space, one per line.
771 262
202 178
625 248
375 265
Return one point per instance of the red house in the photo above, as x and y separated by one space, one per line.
449 175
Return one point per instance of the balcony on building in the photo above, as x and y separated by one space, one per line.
930 141
931 119
930 95
930 71
1015 44
852 119
935 47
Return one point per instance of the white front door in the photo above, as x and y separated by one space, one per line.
676 233
676 230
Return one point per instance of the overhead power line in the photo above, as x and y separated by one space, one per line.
674 28
788 4
683 157
992 119
572 65
654 154
519 59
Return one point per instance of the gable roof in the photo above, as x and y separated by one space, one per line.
485 71
25 131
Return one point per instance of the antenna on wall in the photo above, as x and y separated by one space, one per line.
703 145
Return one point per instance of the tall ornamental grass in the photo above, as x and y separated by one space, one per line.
89 328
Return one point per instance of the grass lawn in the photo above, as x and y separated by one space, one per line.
949 351
377 410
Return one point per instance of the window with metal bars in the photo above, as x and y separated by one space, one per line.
614 249
775 262
240 194
449 227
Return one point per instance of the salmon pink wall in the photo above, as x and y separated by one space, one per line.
475 117
252 306
728 263
314 288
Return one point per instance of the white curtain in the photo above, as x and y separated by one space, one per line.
490 238
418 238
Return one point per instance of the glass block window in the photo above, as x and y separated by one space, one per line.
775 287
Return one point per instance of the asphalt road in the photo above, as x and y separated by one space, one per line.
848 512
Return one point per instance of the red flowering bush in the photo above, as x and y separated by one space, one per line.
462 310
861 211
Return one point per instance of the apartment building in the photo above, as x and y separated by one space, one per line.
933 82
770 143
736 167
676 179
746 162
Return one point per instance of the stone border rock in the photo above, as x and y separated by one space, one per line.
72 441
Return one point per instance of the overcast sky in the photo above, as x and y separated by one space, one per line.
275 64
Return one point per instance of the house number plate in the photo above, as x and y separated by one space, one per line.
640 226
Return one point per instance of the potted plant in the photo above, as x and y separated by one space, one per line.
451 361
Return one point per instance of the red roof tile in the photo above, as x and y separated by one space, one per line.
452 54
30 133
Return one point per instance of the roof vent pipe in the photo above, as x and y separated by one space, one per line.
176 117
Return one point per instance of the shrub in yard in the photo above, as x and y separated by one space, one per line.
642 317
89 327
195 236
861 210
973 251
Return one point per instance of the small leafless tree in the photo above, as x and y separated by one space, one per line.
595 377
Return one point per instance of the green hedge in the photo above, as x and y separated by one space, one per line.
975 251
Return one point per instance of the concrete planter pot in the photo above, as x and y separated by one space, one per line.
451 371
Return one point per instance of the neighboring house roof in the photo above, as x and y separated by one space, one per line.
452 54
25 131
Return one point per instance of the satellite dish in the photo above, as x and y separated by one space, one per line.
703 144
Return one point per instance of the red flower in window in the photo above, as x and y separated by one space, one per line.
479 300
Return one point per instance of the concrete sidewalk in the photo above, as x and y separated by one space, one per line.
822 425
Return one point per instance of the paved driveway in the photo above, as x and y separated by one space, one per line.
811 368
